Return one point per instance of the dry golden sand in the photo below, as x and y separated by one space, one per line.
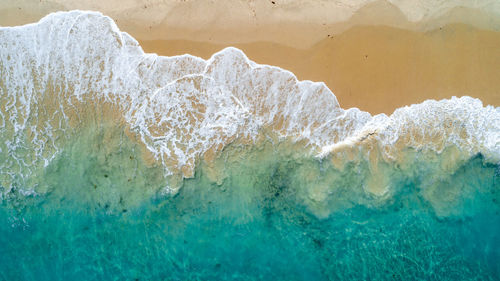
294 23
379 68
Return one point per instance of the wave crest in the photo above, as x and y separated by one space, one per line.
75 66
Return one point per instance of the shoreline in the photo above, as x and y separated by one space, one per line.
377 68
376 60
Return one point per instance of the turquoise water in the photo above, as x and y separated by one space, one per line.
185 241
253 226
121 165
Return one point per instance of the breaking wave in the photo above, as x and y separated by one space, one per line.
91 122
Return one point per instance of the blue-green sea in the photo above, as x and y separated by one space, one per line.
120 165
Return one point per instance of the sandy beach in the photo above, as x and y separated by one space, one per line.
376 56
120 164
379 69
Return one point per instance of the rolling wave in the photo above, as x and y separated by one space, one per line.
116 164
73 70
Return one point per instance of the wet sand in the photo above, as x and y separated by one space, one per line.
378 68
376 59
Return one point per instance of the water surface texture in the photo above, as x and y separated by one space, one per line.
121 165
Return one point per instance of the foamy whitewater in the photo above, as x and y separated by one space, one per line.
116 164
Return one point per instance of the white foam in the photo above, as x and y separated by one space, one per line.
183 106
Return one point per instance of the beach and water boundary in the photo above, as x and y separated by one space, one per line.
376 56
121 164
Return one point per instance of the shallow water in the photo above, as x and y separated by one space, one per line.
119 165
104 219
231 232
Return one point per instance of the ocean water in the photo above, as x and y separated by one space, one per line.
121 165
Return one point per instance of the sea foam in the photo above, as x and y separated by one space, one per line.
116 164
72 66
